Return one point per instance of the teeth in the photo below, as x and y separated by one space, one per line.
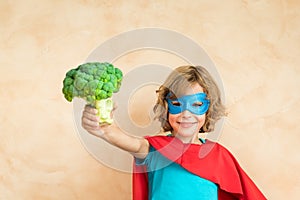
186 124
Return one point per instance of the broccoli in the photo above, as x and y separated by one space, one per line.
94 82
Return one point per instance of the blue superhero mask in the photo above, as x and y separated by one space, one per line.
196 104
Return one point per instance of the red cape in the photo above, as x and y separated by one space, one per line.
210 161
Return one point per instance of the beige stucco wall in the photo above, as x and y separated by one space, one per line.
254 44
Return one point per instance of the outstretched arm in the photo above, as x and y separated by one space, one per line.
137 146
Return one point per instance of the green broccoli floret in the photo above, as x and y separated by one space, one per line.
94 82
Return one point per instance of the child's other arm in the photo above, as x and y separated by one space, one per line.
137 146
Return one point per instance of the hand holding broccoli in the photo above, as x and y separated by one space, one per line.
94 82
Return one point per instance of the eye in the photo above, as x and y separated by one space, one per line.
197 104
176 103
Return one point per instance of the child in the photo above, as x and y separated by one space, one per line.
169 166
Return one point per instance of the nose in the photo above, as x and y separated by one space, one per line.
186 114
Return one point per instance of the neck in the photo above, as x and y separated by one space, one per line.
186 140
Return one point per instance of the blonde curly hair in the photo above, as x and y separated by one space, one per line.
176 84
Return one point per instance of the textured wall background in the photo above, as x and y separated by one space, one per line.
254 44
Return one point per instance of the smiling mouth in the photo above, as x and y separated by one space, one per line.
186 124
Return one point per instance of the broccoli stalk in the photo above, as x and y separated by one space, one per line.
104 107
94 82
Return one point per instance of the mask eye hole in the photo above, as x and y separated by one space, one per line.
176 103
197 104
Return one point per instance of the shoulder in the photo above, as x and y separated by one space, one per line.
218 150
217 146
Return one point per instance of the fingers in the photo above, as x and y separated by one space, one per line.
115 107
89 125
90 121
113 110
89 118
90 109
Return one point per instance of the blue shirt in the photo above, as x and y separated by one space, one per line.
168 180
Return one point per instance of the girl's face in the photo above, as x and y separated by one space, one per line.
186 125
